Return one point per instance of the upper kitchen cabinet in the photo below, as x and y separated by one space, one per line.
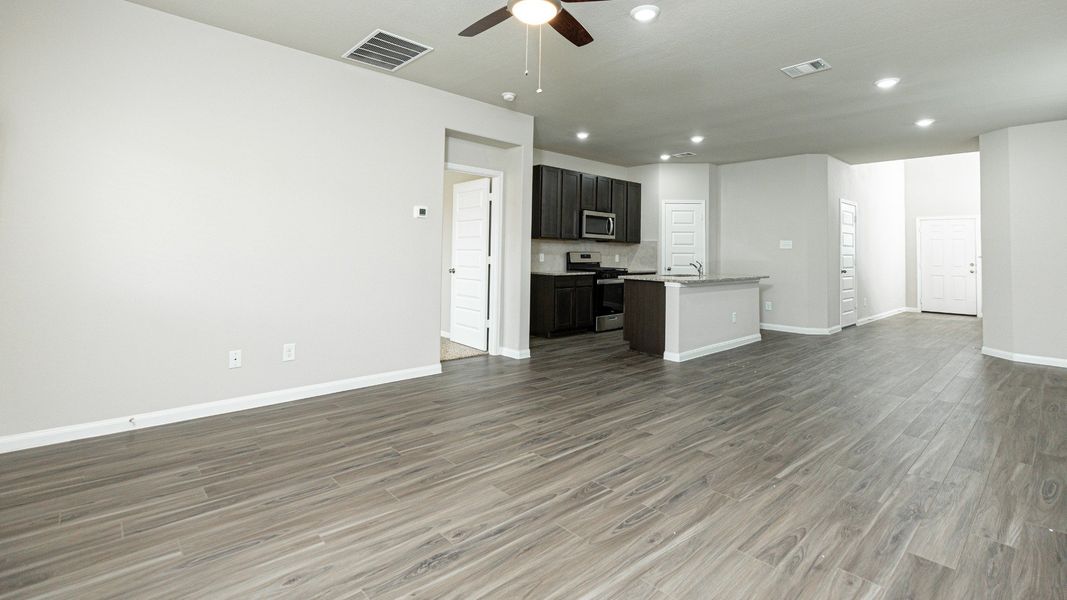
547 215
633 212
560 196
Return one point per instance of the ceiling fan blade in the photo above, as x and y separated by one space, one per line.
486 22
570 28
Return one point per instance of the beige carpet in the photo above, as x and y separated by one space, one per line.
453 351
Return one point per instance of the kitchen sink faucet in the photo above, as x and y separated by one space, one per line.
699 266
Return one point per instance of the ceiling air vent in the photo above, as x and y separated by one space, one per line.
386 51
684 154
806 68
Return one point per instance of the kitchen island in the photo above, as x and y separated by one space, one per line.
685 317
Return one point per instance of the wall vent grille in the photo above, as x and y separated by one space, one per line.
386 51
807 68
684 154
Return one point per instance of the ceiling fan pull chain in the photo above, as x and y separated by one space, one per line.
540 49
527 55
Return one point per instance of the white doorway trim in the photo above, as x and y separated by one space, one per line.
977 251
496 247
663 231
842 268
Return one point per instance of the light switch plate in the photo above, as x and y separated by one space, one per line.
785 244
288 352
768 306
541 257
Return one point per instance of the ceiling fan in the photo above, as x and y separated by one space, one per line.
536 12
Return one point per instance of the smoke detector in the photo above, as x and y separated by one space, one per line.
807 68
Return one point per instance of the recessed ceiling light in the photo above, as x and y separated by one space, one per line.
696 139
888 83
646 13
664 156
925 122
583 135
534 12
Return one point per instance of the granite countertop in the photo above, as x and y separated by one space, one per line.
562 273
706 279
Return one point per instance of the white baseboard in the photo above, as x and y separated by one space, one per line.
712 349
57 435
800 330
880 316
446 334
911 309
516 354
1046 361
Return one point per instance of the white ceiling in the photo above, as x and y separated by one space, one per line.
711 67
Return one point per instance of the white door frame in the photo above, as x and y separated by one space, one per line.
840 266
663 230
496 246
977 252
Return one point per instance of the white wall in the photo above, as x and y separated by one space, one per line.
176 191
939 186
878 191
764 202
451 179
1024 207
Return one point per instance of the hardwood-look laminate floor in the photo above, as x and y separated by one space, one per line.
889 461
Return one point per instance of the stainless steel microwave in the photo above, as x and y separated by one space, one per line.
598 225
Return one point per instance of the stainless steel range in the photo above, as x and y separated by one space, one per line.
607 294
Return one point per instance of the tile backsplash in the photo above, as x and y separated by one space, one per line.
643 256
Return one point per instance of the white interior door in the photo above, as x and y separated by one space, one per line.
848 264
684 237
948 258
470 264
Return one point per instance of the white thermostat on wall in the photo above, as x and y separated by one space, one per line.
421 212
785 244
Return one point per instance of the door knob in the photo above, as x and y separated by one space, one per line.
844 271
668 268
451 270
972 270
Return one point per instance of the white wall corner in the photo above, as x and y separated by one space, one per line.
515 354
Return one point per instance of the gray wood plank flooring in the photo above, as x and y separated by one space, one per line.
889 461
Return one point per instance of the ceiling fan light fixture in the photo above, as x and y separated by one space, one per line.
646 13
534 12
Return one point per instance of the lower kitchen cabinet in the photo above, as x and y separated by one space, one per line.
560 304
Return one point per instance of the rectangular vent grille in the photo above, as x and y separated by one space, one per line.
684 154
386 51
807 68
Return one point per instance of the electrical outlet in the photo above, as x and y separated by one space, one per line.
768 306
616 258
235 359
733 318
288 352
541 257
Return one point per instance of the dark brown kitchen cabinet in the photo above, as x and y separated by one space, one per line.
618 206
560 304
588 200
547 218
603 194
560 196
633 212
570 203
